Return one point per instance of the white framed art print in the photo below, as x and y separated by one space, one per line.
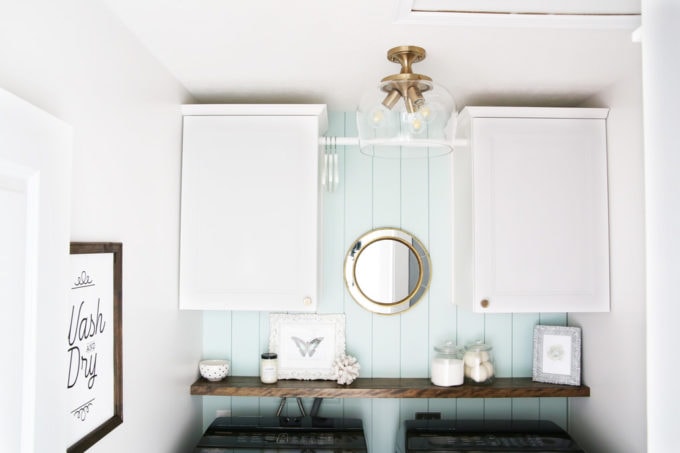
557 355
306 344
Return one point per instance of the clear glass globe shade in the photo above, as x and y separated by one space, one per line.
430 127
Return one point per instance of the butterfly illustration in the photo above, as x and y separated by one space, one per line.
307 347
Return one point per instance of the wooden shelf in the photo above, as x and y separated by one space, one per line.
384 388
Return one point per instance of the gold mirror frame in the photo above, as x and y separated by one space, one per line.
417 251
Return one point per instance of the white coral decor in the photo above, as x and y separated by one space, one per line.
345 369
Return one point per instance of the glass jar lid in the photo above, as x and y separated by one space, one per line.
448 347
478 346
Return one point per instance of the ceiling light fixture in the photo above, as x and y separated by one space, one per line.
408 115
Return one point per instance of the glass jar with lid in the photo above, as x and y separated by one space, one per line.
447 365
479 364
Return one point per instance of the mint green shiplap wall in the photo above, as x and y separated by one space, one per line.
412 194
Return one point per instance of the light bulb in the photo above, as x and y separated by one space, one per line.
416 123
431 112
425 112
377 117
380 119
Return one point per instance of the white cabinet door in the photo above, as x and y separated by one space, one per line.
533 212
250 208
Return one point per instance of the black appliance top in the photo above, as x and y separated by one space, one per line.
284 434
452 436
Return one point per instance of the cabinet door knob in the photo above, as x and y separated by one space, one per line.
307 301
484 303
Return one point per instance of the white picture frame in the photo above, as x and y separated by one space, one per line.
306 344
557 355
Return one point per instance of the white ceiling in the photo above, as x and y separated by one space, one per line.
329 51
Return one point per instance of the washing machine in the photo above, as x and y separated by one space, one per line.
303 434
449 436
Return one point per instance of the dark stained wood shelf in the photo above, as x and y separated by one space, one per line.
384 388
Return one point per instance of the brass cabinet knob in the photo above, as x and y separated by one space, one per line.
484 303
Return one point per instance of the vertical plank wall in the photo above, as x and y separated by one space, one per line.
415 195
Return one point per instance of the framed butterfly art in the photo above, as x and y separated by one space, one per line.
306 344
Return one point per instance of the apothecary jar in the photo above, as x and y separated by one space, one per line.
479 363
447 365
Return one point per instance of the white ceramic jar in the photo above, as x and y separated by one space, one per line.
447 365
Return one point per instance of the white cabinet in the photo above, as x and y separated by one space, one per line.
530 210
250 214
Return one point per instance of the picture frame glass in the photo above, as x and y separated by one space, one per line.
557 354
306 344
93 349
90 376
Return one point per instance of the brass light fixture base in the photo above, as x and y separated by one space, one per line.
406 56
406 84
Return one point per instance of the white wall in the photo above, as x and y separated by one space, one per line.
613 418
661 73
73 59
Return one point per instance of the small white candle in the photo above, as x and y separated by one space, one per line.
269 368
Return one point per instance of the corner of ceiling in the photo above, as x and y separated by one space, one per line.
518 13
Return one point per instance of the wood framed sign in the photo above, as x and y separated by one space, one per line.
93 353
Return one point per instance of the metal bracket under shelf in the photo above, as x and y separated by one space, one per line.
316 405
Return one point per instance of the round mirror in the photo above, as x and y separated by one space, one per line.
387 270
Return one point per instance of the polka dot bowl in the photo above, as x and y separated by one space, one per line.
214 370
